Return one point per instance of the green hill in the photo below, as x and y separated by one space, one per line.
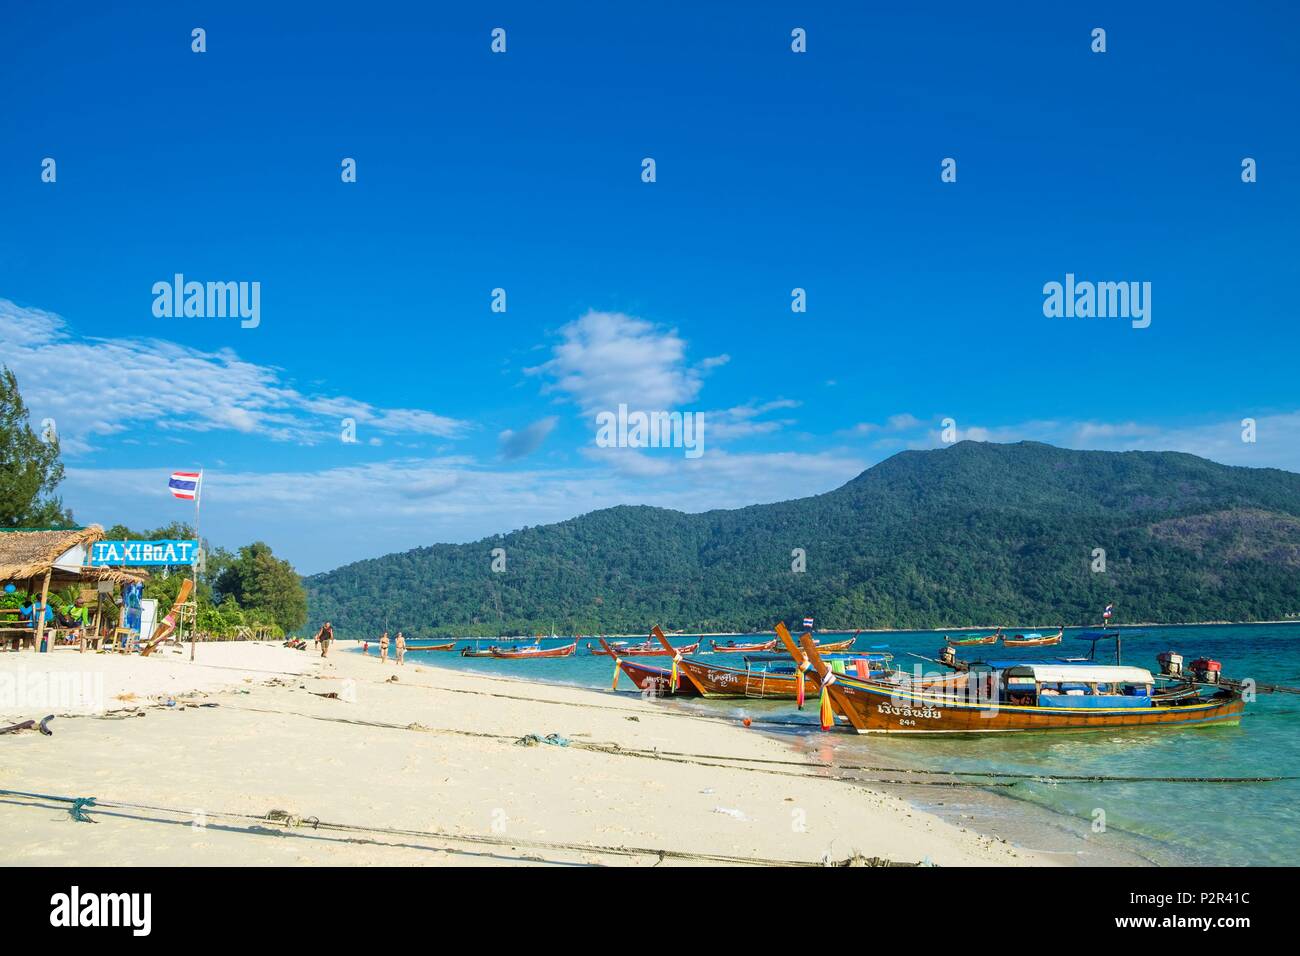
976 533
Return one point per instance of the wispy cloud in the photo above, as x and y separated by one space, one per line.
525 441
162 385
313 518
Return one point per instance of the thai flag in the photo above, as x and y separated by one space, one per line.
185 484
807 624
1105 615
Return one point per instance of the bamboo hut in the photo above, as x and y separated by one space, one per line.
40 559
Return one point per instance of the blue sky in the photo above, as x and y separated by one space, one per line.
522 171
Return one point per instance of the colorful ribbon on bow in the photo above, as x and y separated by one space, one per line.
827 715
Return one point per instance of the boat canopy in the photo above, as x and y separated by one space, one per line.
1081 673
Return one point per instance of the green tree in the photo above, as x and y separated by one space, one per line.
259 581
30 469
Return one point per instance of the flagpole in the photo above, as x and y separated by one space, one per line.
194 568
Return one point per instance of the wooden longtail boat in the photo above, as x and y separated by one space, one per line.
731 647
761 677
656 681
432 647
838 645
475 651
972 641
654 649
533 651
1022 698
605 646
1033 639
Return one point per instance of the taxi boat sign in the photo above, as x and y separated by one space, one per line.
135 554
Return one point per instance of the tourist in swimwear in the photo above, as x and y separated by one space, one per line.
399 648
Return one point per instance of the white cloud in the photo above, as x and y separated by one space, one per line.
172 387
608 358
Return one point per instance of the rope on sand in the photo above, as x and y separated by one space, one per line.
993 778
294 821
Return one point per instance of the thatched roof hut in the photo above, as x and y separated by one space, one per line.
26 555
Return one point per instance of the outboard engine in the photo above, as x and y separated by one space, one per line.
1171 664
1206 671
948 655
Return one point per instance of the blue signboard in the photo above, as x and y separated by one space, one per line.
136 554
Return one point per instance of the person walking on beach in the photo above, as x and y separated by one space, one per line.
383 648
400 648
324 636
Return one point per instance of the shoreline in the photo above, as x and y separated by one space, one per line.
428 765
864 630
992 814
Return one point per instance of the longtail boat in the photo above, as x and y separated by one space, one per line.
432 647
1032 639
972 641
654 649
605 646
731 647
475 652
657 681
838 645
1019 697
533 651
764 676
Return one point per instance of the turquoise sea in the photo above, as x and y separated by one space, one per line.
1160 822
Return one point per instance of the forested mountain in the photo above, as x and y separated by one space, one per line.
975 533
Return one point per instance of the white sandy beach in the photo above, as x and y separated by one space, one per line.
430 758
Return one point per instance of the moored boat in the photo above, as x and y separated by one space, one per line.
654 649
731 647
533 651
838 645
1032 639
475 652
767 676
432 647
657 681
1021 697
973 641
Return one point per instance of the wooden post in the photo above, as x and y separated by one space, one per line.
45 596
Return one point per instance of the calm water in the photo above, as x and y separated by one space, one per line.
1167 823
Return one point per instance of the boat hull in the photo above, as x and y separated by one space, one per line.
743 648
649 651
431 647
836 646
657 680
883 709
713 680
532 654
